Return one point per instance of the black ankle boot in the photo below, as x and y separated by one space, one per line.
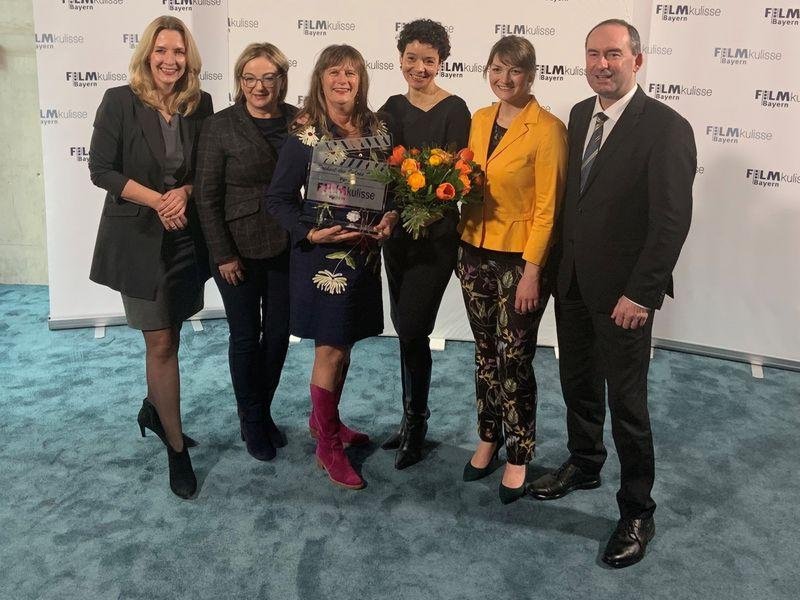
182 481
148 418
257 440
412 441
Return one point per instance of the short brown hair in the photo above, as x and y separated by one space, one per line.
515 51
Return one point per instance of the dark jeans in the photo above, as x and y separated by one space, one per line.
505 344
258 319
595 352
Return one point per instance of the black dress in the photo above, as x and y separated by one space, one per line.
418 271
335 289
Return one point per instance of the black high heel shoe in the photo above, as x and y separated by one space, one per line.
509 495
473 473
148 418
182 480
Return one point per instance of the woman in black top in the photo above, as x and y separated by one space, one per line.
249 249
149 245
418 270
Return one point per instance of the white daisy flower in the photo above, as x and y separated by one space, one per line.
308 135
353 216
332 283
336 156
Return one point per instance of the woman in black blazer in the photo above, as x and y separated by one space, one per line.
149 245
249 249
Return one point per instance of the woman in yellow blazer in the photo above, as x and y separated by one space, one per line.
504 245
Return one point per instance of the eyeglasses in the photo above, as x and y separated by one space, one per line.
268 81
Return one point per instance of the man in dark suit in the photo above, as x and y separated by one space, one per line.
626 214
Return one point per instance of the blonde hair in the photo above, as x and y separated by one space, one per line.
273 54
186 96
315 112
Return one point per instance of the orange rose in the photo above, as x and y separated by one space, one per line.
409 165
416 181
463 167
414 152
466 154
446 191
465 180
397 156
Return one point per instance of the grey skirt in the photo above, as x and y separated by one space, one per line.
179 294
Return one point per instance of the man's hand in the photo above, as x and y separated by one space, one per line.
385 227
628 315
232 271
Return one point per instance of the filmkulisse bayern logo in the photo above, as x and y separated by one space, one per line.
211 76
771 179
87 79
676 91
740 56
79 153
48 41
502 29
454 69
681 12
320 27
83 5
558 72
720 134
380 65
186 5
52 116
777 98
783 16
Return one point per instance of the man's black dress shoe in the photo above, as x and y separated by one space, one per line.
566 479
629 542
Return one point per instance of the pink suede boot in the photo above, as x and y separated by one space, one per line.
349 437
330 451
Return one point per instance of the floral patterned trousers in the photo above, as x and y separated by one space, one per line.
505 344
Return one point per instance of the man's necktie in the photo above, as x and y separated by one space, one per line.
592 148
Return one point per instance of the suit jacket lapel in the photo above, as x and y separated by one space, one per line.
519 127
250 130
626 124
148 120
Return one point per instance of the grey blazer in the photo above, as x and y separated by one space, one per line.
234 168
127 144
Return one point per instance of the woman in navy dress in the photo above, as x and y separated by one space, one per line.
335 283
418 270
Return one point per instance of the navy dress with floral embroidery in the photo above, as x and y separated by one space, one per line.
335 288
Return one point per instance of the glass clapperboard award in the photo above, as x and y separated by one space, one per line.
345 183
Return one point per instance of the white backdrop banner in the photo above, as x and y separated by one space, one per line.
727 66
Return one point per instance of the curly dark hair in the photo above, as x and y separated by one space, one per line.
425 31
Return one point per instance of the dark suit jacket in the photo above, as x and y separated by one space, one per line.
127 144
623 234
234 169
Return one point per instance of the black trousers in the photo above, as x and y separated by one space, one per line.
595 353
258 320
418 272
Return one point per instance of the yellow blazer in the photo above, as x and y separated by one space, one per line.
524 183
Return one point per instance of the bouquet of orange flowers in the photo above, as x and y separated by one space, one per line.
429 181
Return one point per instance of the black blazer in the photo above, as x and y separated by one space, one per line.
234 168
127 144
623 234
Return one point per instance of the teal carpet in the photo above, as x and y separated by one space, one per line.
86 510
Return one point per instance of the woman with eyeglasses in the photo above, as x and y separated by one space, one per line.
248 248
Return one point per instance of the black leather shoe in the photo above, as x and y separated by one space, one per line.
182 480
148 418
473 473
629 542
567 478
